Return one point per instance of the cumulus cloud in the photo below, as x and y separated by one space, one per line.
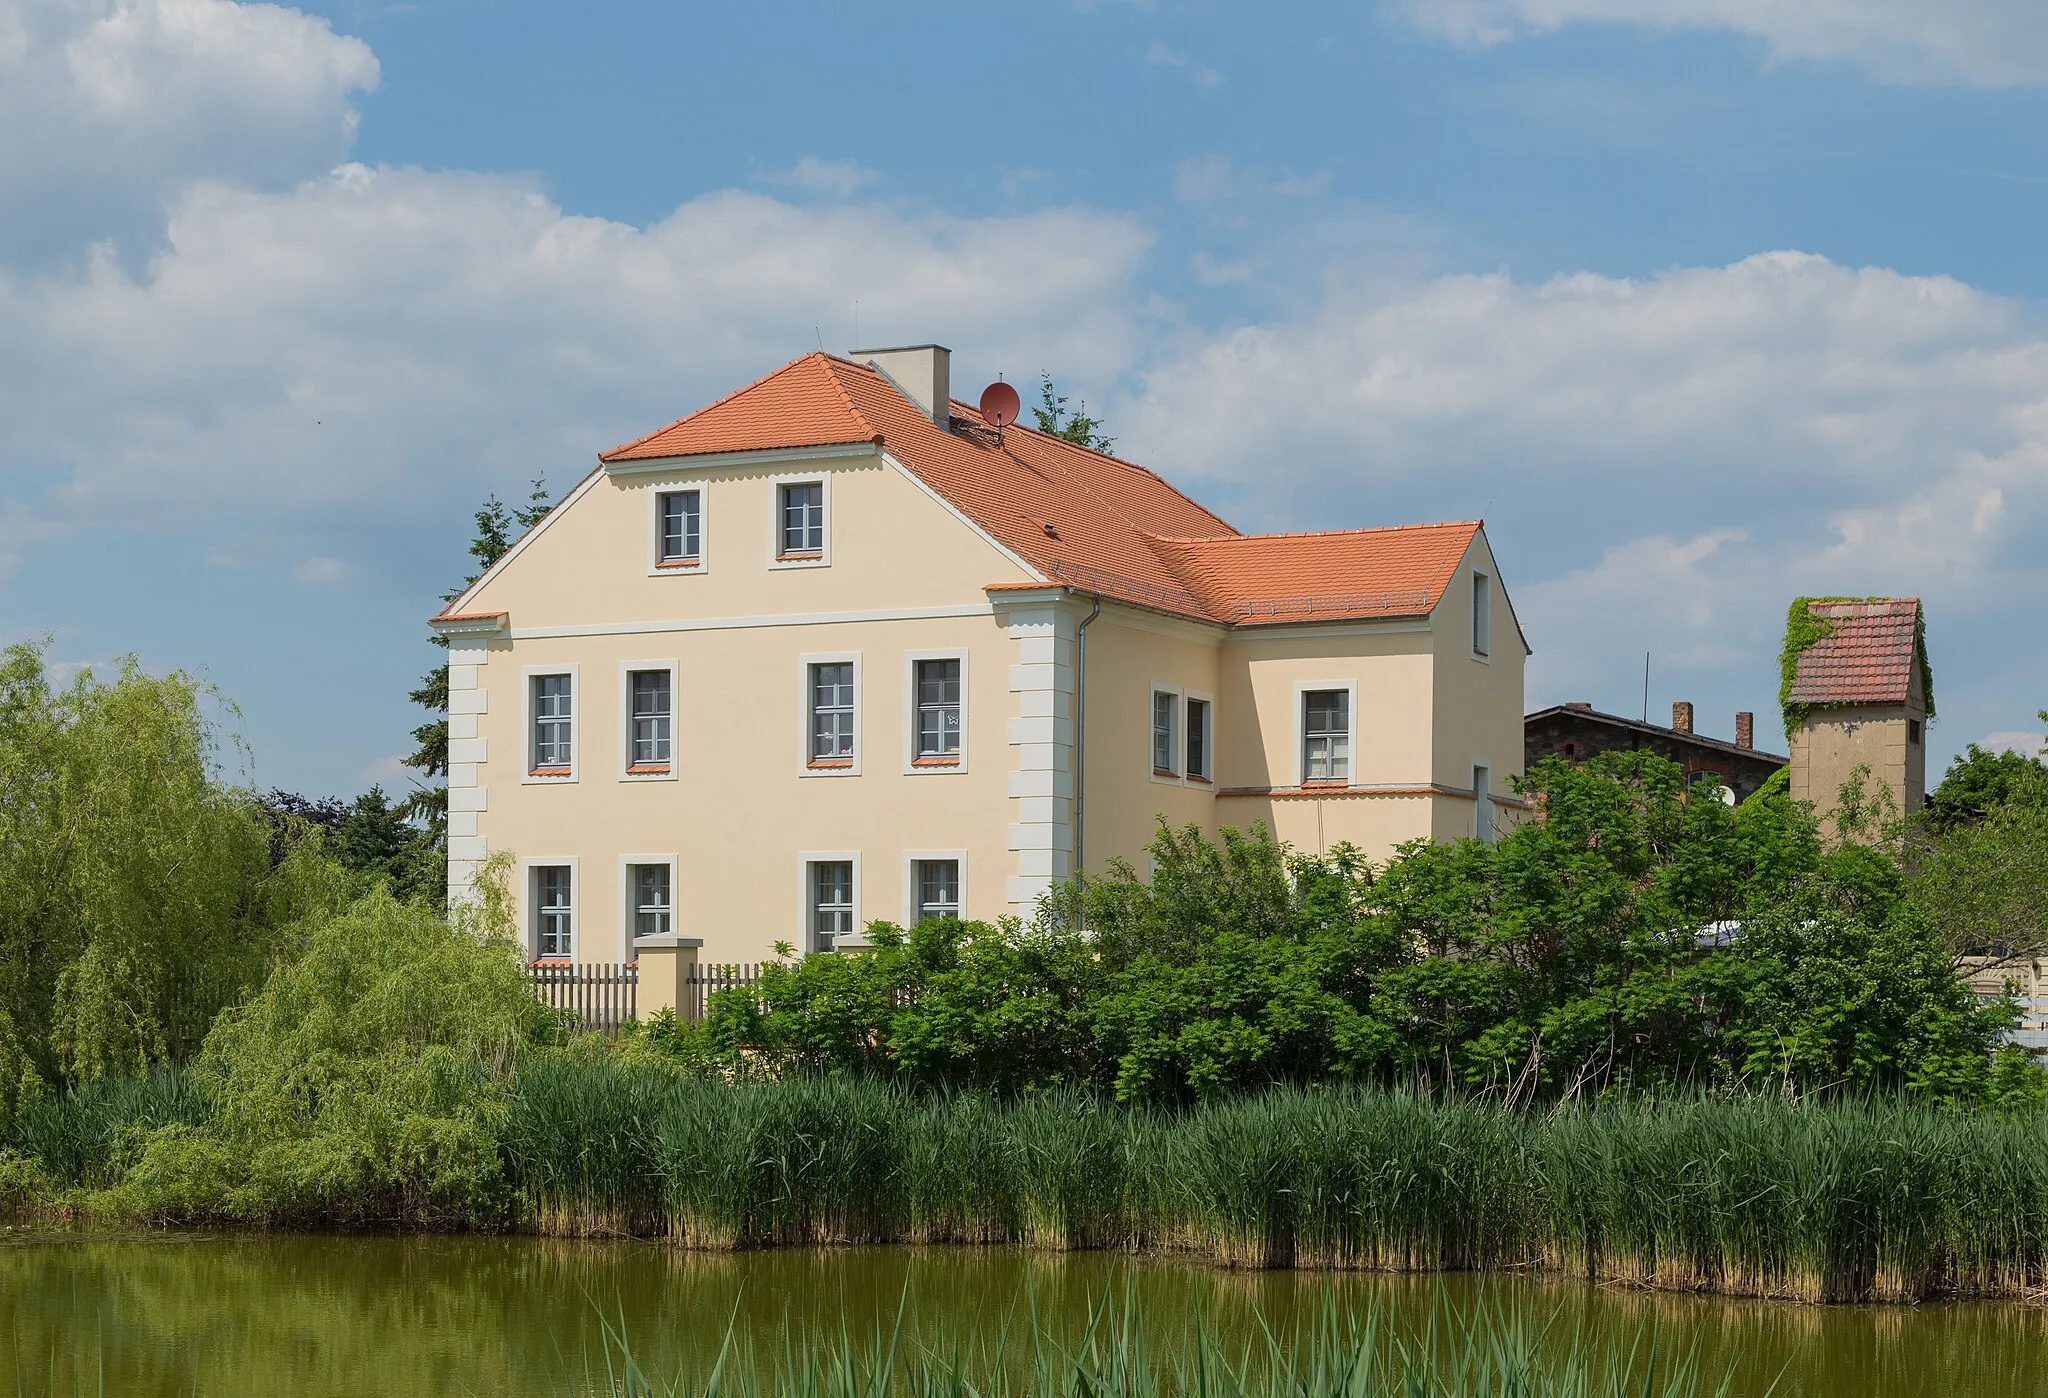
841 179
1664 461
108 108
1984 42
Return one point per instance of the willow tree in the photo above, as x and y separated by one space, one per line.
136 890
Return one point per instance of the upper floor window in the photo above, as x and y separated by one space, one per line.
938 710
651 717
1913 731
832 713
1198 740
653 890
1482 613
1482 799
554 724
1326 735
936 883
1165 757
554 911
679 528
803 520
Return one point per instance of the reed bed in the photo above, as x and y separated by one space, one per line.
1495 1349
1841 1202
87 1138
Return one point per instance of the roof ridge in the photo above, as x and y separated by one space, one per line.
1315 533
840 388
774 373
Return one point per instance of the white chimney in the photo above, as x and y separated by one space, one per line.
923 372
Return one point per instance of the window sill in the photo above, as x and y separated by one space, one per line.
553 961
1166 774
679 565
1198 777
809 556
1326 784
551 771
648 769
830 764
928 763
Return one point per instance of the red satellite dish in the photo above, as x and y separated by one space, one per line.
1000 405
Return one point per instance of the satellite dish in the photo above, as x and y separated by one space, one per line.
1000 405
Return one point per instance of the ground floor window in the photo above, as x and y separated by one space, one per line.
831 902
936 883
554 911
653 899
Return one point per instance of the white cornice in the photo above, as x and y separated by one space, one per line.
484 624
720 460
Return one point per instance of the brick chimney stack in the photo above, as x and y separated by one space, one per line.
1578 704
1681 716
1745 729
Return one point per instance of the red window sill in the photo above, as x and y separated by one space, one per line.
798 557
553 961
550 771
830 763
682 563
1203 780
1163 772
935 762
647 769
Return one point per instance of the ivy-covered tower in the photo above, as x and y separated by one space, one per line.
1857 692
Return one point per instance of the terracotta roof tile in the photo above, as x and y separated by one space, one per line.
1081 517
1868 657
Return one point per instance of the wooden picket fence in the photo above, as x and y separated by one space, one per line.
700 981
604 996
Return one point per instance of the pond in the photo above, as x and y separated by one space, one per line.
219 1317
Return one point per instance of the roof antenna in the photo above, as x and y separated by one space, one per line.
1646 686
821 338
856 322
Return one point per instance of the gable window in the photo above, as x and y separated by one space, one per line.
935 884
832 714
938 711
803 520
653 891
1198 740
1326 735
1165 757
831 890
554 911
650 719
1482 613
679 528
553 738
1913 731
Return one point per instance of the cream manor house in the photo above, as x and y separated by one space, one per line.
833 650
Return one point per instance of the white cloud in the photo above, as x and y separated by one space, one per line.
1664 461
841 179
1985 42
1204 178
109 107
1158 55
2026 744
295 363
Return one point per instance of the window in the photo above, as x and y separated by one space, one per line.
1482 797
1482 613
936 886
1165 761
938 710
1913 731
831 689
653 894
554 911
649 717
831 902
554 724
803 520
679 528
1198 739
1326 735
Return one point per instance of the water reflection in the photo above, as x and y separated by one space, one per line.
231 1316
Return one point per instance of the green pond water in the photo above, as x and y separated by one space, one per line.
209 1315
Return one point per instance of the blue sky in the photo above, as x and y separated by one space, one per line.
1701 303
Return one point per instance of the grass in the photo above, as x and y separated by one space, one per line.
88 1137
1494 1350
1843 1202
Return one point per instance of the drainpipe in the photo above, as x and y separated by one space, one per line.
1081 725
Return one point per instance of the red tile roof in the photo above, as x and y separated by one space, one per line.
1080 517
1867 658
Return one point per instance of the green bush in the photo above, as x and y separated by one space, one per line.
366 1083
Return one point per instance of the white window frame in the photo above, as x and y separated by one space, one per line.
702 564
529 882
860 708
1482 615
911 766
776 558
627 668
911 859
1187 770
527 775
1484 828
1174 740
1299 723
629 905
805 933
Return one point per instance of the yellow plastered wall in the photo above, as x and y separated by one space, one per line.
1477 708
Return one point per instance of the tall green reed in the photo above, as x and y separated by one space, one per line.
88 1137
